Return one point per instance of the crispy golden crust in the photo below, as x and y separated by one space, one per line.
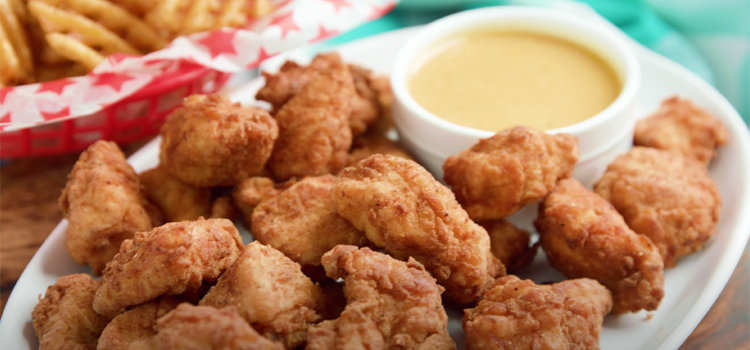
510 244
365 145
191 327
314 134
172 259
682 127
515 167
302 223
103 204
365 104
584 236
271 293
518 314
390 304
210 141
290 79
135 324
251 191
177 200
402 208
64 319
665 196
223 208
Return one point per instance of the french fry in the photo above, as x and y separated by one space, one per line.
75 50
138 8
15 59
44 73
182 17
260 8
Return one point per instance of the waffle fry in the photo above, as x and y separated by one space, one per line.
15 53
182 17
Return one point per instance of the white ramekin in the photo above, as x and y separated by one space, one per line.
601 138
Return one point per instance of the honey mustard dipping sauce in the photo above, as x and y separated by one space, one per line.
494 80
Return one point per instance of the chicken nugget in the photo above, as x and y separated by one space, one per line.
402 208
314 134
666 196
172 259
135 324
370 143
223 208
177 200
510 244
518 314
210 141
390 304
251 191
499 175
681 126
302 223
103 204
366 107
191 327
64 319
584 236
271 293
290 79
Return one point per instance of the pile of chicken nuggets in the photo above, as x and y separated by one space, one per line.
356 245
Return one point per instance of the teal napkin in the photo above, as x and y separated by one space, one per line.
709 37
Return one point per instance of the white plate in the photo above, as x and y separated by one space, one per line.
691 287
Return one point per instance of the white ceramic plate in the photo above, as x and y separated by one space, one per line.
691 287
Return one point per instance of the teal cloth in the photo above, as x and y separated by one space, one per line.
709 37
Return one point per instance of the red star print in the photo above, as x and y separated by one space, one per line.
56 86
219 42
5 118
262 56
285 23
116 58
380 11
4 92
63 112
338 4
113 80
323 33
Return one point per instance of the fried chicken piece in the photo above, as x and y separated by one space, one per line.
103 204
518 314
682 127
135 324
251 191
302 223
210 141
223 208
382 86
290 79
584 236
668 197
499 175
402 208
271 293
172 259
191 327
366 107
510 244
177 200
64 319
314 134
391 304
371 143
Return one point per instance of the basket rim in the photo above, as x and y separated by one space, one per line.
186 73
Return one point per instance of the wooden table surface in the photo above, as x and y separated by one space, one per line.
29 189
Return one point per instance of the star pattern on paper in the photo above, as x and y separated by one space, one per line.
338 4
62 112
380 11
286 23
56 86
116 58
262 56
4 92
219 42
113 80
324 33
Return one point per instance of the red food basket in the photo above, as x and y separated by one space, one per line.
138 116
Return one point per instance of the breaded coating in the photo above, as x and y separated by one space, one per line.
382 86
365 104
191 327
135 324
584 236
668 197
177 200
364 146
271 293
302 223
314 134
210 141
521 315
391 304
682 127
499 175
510 244
402 208
223 208
64 319
103 204
172 259
290 79
251 191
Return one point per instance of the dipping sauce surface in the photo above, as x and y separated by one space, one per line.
494 80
